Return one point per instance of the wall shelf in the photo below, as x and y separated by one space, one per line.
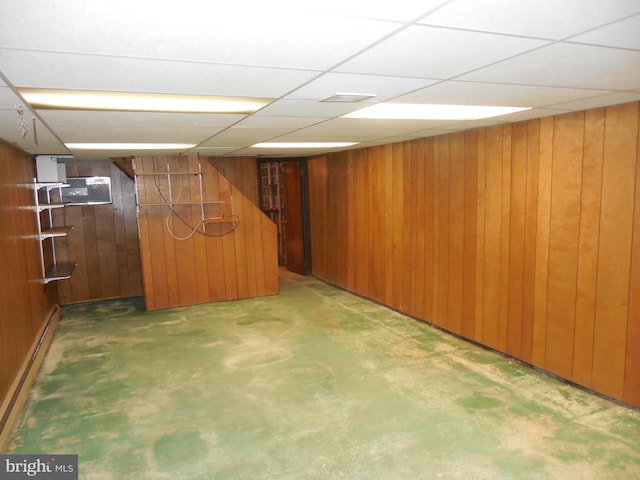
47 232
60 271
181 202
55 232
51 206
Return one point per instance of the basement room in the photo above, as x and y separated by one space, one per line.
320 240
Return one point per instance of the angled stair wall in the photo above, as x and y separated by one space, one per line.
200 242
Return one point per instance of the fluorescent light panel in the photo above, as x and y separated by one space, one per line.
129 146
138 102
303 144
419 111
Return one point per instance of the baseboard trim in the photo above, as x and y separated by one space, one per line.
17 396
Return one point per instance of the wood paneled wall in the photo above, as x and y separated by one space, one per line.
25 303
523 237
222 265
103 242
242 172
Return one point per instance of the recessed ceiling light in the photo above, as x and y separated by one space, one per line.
303 144
419 111
138 102
129 146
349 97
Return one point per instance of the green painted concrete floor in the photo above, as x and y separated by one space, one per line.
311 384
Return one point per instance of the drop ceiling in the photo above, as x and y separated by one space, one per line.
554 56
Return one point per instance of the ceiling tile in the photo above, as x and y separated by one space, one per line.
91 72
364 128
567 65
383 87
242 137
134 134
237 33
43 141
479 93
404 11
289 152
307 108
213 151
622 34
256 121
551 19
108 154
8 99
436 53
602 101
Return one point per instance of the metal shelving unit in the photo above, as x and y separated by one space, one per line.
47 232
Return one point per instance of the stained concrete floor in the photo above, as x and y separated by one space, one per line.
311 384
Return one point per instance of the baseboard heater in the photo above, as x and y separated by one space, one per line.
18 393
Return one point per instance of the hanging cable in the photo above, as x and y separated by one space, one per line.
234 220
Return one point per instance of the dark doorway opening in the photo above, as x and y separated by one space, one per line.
283 197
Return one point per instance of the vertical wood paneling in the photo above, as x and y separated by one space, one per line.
241 246
270 253
122 282
614 256
183 267
25 303
517 218
353 213
408 226
419 223
318 222
228 246
530 234
480 233
631 392
250 246
103 242
456 231
242 172
545 167
436 282
375 189
444 227
429 226
259 253
361 219
469 234
397 226
588 247
566 191
505 233
493 237
214 250
387 175
342 219
523 237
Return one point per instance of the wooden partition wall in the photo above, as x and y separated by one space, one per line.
522 237
103 242
183 266
26 305
242 172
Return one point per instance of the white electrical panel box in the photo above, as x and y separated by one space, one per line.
51 168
